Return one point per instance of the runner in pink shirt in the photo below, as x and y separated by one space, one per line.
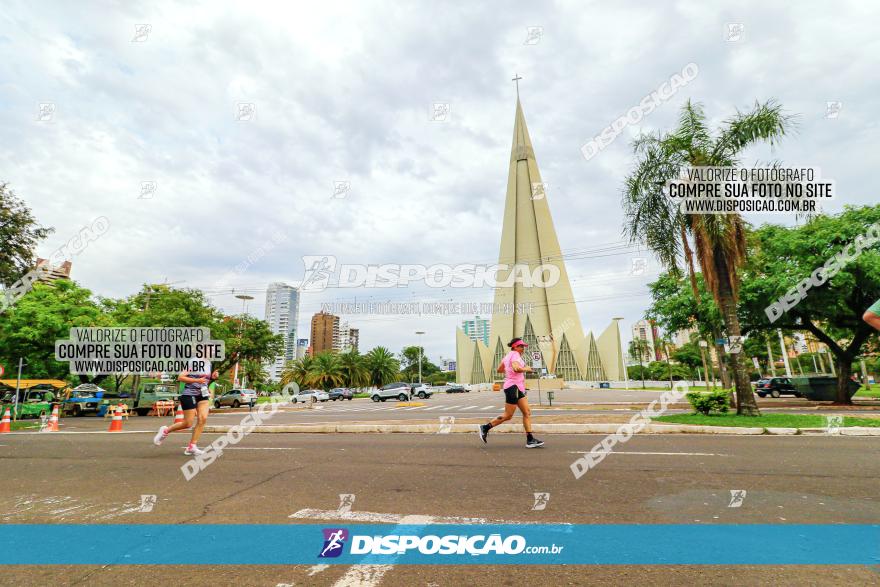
514 369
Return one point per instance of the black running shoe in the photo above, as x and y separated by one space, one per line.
534 443
484 432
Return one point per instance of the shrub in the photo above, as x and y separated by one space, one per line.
706 403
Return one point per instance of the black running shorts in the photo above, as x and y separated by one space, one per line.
513 394
188 402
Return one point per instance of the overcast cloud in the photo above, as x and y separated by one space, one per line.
343 91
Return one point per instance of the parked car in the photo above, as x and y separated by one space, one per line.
236 398
340 393
420 390
310 395
398 389
775 386
456 388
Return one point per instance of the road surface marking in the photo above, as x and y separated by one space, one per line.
487 408
317 569
470 408
433 408
631 452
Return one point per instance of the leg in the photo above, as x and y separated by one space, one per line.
202 409
523 405
188 417
509 409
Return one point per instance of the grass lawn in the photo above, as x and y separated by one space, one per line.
873 392
765 421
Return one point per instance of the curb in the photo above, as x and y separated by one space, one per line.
344 428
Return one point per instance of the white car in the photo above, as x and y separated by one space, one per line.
311 395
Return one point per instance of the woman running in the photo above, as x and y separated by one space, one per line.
514 369
195 401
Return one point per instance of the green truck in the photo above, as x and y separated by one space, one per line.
35 396
142 402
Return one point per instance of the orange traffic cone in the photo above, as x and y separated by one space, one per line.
52 424
116 422
5 425
178 417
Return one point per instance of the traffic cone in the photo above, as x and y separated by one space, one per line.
116 422
178 417
5 425
52 424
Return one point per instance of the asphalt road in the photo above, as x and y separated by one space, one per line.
100 478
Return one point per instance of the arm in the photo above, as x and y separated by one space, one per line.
872 319
184 376
521 368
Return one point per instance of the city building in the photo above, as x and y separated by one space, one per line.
325 333
282 315
53 272
647 331
477 329
302 347
347 339
548 319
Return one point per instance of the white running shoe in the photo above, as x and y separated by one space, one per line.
193 450
161 435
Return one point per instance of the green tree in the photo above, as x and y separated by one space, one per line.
688 355
326 371
679 305
382 365
46 314
719 239
299 372
354 369
640 351
409 361
20 234
781 257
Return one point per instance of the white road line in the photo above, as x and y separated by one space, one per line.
470 408
631 452
411 409
487 407
433 408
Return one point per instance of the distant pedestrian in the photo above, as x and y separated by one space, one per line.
514 368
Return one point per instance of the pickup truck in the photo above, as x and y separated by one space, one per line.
142 402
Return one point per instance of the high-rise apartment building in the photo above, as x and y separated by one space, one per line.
282 314
325 333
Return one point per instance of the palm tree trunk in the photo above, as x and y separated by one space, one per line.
745 398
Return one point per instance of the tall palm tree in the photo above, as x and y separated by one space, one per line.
719 240
382 365
299 372
639 350
354 369
326 371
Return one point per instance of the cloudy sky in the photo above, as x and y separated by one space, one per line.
151 92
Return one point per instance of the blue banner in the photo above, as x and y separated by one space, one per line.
446 544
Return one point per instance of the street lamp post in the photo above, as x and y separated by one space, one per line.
244 300
420 333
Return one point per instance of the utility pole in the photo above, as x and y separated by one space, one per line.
17 386
703 346
770 359
865 374
420 333
784 353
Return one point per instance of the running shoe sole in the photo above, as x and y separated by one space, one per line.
535 444
160 436
483 433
